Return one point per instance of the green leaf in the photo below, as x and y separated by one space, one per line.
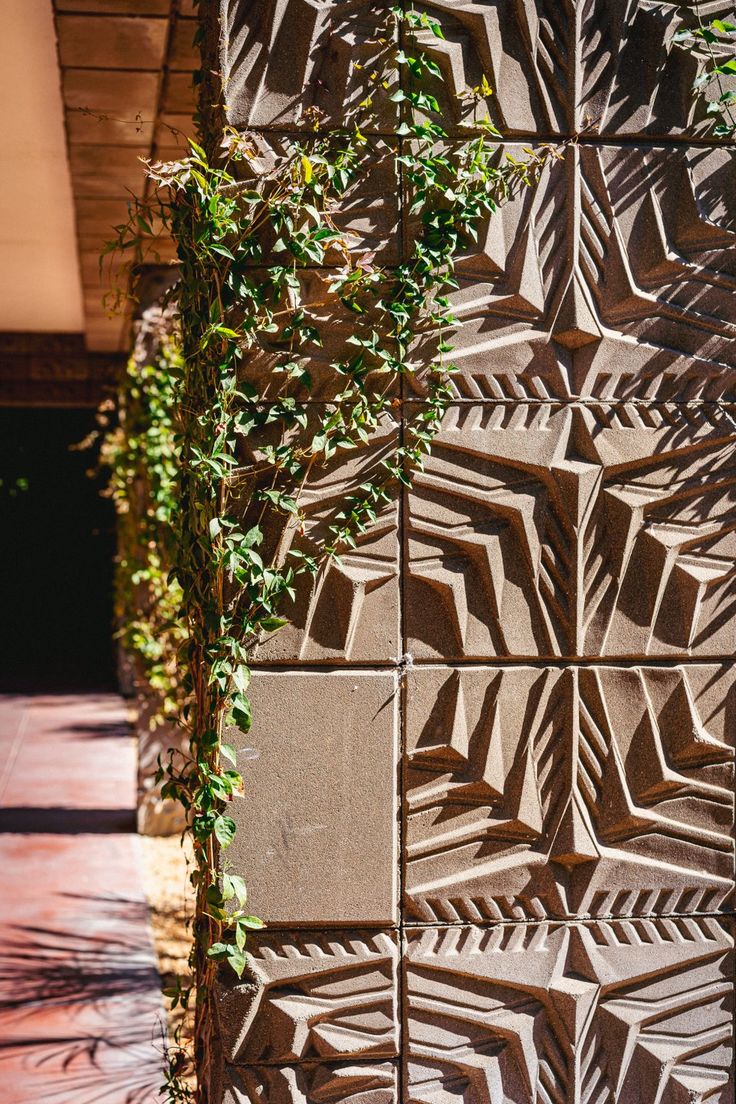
225 829
253 923
270 624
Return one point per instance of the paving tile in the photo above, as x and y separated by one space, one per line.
622 1011
332 738
536 792
586 530
81 1013
312 996
87 740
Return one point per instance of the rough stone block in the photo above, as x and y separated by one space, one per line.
322 996
580 530
535 792
285 67
330 857
360 1083
626 1012
612 278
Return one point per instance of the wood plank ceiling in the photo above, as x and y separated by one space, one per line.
126 77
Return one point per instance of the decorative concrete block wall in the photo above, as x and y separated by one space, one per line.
501 871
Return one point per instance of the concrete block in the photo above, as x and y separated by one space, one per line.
340 1083
561 69
281 65
624 1011
312 996
535 792
349 611
612 278
328 855
580 530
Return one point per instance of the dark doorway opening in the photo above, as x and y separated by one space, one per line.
57 542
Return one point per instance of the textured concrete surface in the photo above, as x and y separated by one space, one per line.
318 827
566 608
80 1003
314 995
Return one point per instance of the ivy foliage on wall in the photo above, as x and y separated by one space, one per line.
713 44
140 451
278 301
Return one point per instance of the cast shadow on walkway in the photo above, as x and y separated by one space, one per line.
80 1014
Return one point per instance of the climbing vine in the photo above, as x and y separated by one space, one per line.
297 348
714 45
139 450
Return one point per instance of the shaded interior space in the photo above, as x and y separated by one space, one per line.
57 545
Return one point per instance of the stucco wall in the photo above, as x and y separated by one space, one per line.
489 791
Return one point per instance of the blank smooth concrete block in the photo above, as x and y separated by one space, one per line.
575 530
317 828
625 1011
322 996
537 792
360 1083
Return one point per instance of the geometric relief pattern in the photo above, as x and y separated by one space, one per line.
361 1083
537 792
313 996
348 611
559 580
556 66
571 66
283 61
612 279
575 530
617 1012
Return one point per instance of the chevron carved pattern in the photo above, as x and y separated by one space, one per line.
615 1012
554 596
574 531
571 66
313 996
612 279
585 791
361 1083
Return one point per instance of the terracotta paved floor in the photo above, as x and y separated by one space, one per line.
80 1009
